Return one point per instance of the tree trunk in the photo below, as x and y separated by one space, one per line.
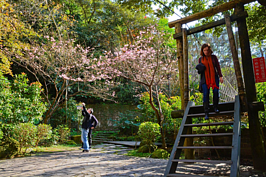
158 116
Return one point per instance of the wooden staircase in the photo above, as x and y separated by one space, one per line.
230 108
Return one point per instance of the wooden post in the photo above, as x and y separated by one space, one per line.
185 58
189 141
238 74
257 146
180 64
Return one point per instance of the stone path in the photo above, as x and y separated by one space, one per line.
102 161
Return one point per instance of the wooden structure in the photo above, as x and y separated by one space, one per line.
247 92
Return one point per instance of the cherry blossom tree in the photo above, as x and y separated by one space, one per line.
60 66
148 62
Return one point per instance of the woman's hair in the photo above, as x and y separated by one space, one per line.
203 46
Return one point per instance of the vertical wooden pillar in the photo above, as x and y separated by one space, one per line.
257 146
238 74
185 58
189 141
179 45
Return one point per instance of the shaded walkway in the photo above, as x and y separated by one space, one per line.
103 160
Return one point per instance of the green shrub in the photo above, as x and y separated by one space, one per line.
160 153
20 101
51 140
149 132
63 132
147 149
8 148
25 134
76 139
70 142
44 131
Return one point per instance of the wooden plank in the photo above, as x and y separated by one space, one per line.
235 155
226 106
171 167
206 135
209 12
209 124
211 25
204 147
213 114
204 161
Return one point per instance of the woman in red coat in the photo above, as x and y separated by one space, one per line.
210 78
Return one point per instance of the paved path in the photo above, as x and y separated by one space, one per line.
102 161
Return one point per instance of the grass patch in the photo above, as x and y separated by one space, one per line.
137 154
57 148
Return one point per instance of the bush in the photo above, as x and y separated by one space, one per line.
70 142
52 140
147 149
160 153
8 148
76 139
63 132
25 134
44 131
20 101
149 132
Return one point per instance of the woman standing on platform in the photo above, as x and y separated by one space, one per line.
210 77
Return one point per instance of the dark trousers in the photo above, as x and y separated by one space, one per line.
89 138
206 92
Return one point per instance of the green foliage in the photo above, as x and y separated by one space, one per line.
73 115
20 101
8 148
149 132
70 142
51 140
160 153
44 131
261 94
167 104
76 139
138 154
63 132
127 123
8 145
25 134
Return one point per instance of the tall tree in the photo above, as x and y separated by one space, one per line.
147 62
60 67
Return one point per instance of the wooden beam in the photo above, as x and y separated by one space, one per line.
211 25
179 44
208 12
257 146
238 74
185 58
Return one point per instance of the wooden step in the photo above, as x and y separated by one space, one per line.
185 175
228 106
203 161
209 124
204 147
206 135
212 114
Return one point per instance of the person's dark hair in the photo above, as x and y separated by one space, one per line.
203 46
